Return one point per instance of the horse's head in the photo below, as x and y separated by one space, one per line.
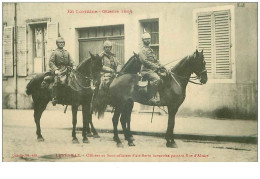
95 64
199 66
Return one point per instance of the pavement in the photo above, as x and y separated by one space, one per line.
190 128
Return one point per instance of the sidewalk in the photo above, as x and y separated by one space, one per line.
190 128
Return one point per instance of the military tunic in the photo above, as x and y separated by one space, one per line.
148 59
110 60
150 64
59 59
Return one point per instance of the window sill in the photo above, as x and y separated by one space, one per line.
4 78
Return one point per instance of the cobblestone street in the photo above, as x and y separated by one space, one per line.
20 144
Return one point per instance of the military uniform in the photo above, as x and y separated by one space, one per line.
60 59
109 60
149 65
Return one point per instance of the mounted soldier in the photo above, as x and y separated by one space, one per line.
60 59
150 68
110 63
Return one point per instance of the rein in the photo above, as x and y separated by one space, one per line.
86 77
187 78
85 87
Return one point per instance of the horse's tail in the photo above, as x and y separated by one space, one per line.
100 102
34 84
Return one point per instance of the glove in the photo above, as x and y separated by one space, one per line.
57 72
162 74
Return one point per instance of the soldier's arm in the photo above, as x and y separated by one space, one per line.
71 62
52 62
146 62
107 69
118 64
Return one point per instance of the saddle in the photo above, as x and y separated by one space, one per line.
142 85
49 78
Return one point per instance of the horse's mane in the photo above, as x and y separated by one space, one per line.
180 63
83 63
133 66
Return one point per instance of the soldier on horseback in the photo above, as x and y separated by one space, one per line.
59 60
150 68
110 64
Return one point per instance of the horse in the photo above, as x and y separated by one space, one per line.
123 92
86 73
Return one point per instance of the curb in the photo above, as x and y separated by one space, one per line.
206 137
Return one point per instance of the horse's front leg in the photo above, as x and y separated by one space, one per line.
74 123
172 110
115 120
39 107
93 130
86 120
130 106
125 122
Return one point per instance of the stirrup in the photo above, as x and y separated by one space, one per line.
154 102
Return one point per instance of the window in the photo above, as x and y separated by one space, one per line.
42 37
39 50
214 36
92 39
152 27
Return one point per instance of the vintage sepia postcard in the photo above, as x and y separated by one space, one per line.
129 82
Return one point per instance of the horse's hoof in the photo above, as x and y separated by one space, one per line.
131 144
75 141
131 138
89 135
171 144
119 145
85 141
96 136
40 139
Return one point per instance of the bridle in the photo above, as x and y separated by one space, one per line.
91 78
190 79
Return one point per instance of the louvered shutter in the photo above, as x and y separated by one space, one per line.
214 38
8 59
21 51
204 21
118 49
52 35
222 44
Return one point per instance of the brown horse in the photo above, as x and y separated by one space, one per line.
86 73
123 92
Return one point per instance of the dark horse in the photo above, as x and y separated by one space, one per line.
123 92
87 72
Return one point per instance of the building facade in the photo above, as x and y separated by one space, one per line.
227 33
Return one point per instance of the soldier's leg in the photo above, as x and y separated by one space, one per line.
55 90
154 81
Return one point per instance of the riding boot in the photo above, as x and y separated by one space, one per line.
54 91
155 98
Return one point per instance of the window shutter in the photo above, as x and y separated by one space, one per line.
214 32
222 44
118 49
52 35
204 21
8 59
21 51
